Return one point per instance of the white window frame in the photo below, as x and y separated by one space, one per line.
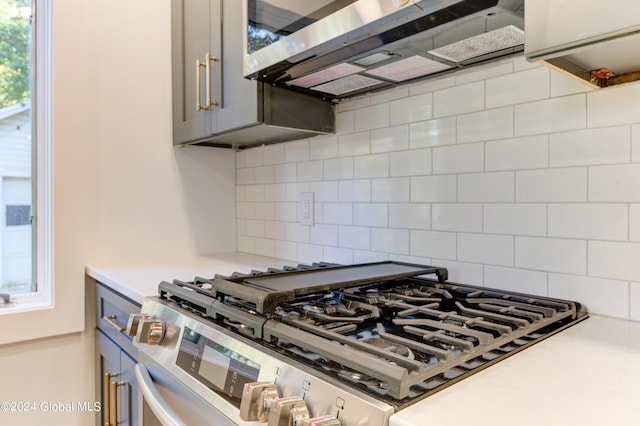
42 131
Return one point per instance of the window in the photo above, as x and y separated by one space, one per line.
24 176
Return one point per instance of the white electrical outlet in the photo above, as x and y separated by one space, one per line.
306 208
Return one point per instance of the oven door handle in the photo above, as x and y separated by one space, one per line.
159 407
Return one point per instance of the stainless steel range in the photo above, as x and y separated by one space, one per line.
327 344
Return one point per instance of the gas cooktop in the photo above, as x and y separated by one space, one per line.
397 332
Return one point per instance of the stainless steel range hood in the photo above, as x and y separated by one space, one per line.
599 44
371 45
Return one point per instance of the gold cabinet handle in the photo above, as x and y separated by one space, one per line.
114 406
107 398
199 106
208 59
111 321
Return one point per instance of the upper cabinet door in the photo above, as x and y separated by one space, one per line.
196 39
240 96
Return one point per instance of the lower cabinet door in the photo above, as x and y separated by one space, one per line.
118 388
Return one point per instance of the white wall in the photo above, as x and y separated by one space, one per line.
122 193
510 175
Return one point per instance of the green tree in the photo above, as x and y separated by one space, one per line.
15 42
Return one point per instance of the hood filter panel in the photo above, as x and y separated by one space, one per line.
489 42
409 68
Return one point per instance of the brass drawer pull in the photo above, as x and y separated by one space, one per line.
111 321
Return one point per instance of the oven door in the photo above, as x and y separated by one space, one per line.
167 401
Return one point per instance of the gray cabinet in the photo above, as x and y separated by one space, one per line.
116 384
213 104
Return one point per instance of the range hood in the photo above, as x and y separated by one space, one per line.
371 45
599 43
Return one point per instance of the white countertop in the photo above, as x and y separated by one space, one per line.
588 374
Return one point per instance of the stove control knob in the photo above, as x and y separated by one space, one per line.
150 331
134 320
257 399
288 411
322 421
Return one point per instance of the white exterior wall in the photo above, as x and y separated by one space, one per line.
510 175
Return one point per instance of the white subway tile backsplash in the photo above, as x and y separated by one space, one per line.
634 304
365 256
485 248
410 163
432 85
254 193
518 280
519 87
614 183
273 154
458 158
459 99
338 213
275 192
433 133
285 172
296 232
462 272
551 254
310 170
587 147
372 117
338 168
254 157
322 147
410 215
264 174
515 219
552 185
296 151
390 95
354 144
354 190
589 221
338 255
441 245
624 100
390 139
274 230
617 260
485 125
634 222
355 237
370 214
324 191
532 188
530 152
434 189
390 240
286 250
411 109
326 235
562 85
345 122
551 115
265 211
484 72
309 253
371 166
392 190
244 176
588 291
456 217
486 187
287 212
635 143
